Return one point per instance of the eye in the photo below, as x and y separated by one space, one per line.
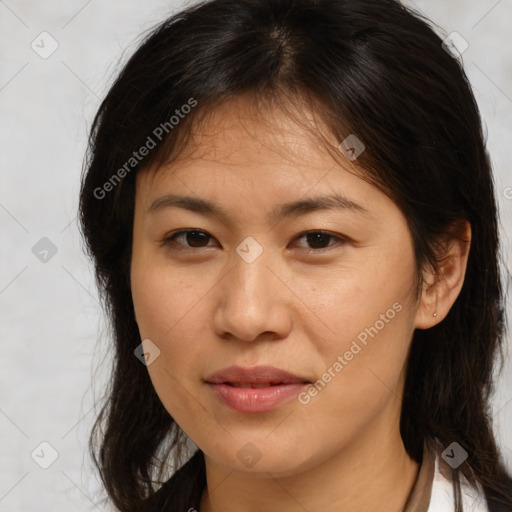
318 240
185 239
188 239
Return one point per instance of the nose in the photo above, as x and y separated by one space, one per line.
253 302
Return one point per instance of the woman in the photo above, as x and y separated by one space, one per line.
291 213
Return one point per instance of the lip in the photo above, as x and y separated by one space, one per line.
282 386
255 374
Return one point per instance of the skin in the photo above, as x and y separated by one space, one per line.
206 308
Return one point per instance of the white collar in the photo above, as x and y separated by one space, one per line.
442 497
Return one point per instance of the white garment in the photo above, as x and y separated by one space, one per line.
442 497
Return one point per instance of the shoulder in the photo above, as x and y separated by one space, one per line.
442 497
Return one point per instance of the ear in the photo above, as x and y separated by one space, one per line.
441 289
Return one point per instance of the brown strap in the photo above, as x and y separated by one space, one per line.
419 498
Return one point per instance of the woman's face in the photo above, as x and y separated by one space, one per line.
250 287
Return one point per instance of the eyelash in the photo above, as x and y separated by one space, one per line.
170 242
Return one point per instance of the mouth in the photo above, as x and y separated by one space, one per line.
255 377
255 390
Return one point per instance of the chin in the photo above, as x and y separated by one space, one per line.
261 458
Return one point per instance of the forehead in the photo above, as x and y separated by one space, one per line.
246 141
248 165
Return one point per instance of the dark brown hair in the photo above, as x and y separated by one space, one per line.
367 67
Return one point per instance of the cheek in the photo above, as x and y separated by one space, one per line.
347 301
163 298
168 312
364 337
363 370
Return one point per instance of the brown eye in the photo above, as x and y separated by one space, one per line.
315 241
318 240
189 238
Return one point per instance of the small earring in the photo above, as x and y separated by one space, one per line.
435 314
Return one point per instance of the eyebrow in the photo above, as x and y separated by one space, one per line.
292 209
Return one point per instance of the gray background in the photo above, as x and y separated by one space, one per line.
50 317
